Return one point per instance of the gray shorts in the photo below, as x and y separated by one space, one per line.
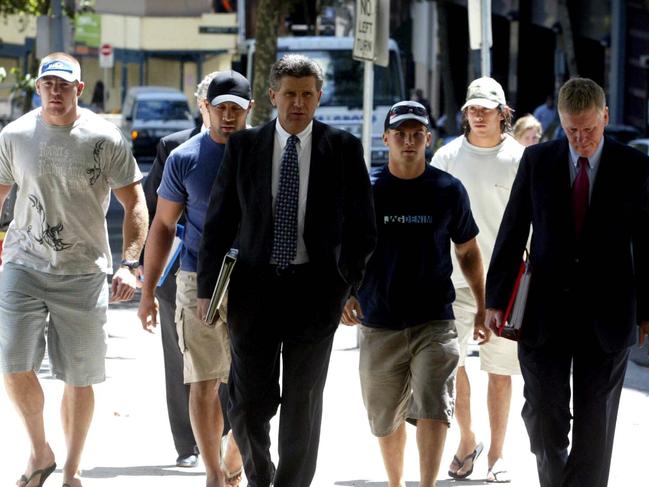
408 374
76 341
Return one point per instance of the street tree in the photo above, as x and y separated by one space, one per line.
269 13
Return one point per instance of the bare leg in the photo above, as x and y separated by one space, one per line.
463 415
207 424
232 460
431 436
499 396
77 407
392 450
26 393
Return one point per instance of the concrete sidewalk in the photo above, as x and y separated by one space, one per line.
130 444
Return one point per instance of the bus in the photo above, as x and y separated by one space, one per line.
341 104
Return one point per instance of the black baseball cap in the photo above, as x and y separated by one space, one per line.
229 86
404 111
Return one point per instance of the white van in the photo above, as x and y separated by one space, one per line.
342 99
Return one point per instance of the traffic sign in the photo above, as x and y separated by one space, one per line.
106 56
365 34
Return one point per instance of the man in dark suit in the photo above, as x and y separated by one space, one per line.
587 199
296 196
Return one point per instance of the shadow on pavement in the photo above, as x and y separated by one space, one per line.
139 471
637 374
439 483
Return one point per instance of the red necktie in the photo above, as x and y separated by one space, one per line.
580 190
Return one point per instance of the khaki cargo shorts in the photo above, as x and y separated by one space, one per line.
408 374
205 349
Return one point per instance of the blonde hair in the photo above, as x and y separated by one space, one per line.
525 123
578 95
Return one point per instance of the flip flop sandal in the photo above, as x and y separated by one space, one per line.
471 457
498 473
43 472
456 465
232 479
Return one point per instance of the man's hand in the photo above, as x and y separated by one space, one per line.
494 319
123 285
352 313
202 304
481 333
148 312
643 332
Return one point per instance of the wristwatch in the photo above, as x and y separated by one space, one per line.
131 264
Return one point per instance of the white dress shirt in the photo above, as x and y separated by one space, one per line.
304 161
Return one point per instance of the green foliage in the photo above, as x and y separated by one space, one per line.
39 7
31 7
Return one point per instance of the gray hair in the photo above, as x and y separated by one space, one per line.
201 88
298 66
578 95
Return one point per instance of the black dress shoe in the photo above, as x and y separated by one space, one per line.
189 460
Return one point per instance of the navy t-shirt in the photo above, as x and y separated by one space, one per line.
408 278
188 176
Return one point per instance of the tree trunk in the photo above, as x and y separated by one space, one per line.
265 53
567 40
450 106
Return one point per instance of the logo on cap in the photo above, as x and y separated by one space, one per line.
61 69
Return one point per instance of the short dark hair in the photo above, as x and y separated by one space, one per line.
295 65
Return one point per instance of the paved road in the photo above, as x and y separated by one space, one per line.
130 445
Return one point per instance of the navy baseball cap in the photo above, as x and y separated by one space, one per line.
229 86
404 111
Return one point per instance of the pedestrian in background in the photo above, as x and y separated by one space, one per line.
177 392
586 198
527 130
485 159
185 187
295 195
408 341
546 114
65 160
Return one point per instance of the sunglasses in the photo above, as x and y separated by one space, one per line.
405 109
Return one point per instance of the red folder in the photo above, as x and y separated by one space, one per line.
512 321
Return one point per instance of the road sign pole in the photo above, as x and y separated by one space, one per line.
368 108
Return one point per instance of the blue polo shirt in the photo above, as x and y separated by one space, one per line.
188 176
408 278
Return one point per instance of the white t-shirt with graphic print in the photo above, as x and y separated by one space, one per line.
64 176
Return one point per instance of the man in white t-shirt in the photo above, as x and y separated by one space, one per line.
485 159
65 161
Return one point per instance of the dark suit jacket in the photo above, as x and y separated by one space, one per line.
165 146
339 228
600 285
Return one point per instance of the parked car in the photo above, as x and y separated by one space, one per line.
641 144
151 112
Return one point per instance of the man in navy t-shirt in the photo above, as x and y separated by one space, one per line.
409 349
186 184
